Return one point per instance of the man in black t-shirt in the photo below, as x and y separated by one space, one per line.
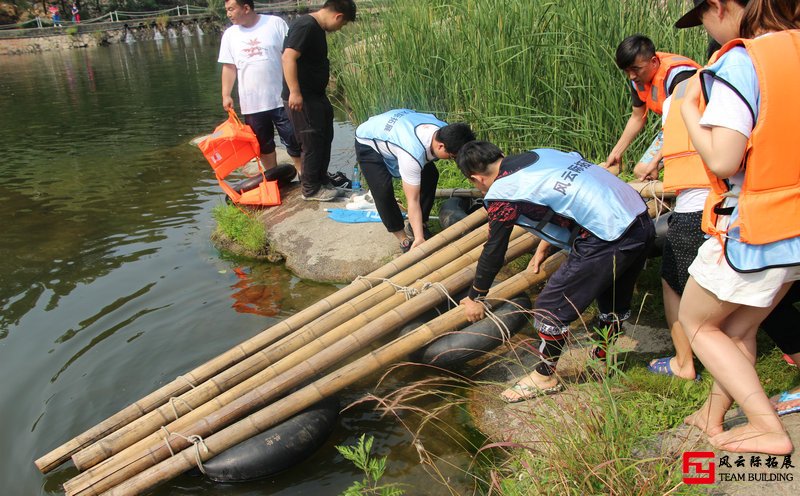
306 70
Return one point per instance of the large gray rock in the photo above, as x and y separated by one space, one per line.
318 248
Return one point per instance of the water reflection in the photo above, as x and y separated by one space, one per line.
109 287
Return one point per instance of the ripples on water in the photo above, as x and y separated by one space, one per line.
108 284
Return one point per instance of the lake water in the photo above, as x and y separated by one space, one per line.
110 285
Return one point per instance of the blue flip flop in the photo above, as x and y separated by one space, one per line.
661 367
786 396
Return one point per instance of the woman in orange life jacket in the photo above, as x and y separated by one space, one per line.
753 255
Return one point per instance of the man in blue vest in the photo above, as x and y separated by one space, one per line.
573 205
404 143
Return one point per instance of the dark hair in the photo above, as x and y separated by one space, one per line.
454 136
769 15
345 7
632 47
242 3
476 156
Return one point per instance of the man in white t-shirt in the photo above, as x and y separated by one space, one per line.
250 52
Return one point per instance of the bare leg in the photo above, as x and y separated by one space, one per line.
729 357
269 160
298 165
682 364
400 235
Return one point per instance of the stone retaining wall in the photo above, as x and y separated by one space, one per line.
105 34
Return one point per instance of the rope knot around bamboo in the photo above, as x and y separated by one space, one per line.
173 400
195 439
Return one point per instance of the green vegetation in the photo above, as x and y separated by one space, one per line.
602 436
242 229
523 73
162 21
530 74
217 8
373 469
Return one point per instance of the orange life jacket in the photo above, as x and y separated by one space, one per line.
232 145
654 93
769 203
683 167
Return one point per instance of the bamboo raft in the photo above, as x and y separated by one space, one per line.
247 389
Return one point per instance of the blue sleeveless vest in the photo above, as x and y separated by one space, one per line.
573 188
398 128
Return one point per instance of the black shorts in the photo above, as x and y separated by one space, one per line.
684 237
264 125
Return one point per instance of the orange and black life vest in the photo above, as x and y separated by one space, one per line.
654 93
683 167
769 203
232 145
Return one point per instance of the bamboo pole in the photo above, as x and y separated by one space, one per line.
459 193
651 189
152 421
290 372
260 368
324 387
202 373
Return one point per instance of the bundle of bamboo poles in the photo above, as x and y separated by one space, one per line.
326 386
289 354
135 449
118 454
333 347
248 348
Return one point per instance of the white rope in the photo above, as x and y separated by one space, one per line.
187 380
166 439
505 332
196 440
174 399
660 203
442 289
405 290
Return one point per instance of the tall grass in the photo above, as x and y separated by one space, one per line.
524 73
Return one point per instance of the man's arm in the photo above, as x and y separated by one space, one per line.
491 259
414 212
633 127
289 62
228 78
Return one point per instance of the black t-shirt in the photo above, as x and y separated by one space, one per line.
313 68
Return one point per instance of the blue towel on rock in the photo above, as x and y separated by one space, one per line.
353 216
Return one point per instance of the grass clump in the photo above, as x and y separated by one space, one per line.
243 230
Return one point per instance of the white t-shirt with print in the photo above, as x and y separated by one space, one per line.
256 53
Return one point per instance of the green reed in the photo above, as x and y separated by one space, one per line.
524 73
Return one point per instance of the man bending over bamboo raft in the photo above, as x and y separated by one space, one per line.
405 144
571 204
